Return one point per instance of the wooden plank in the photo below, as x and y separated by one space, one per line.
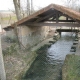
54 24
66 30
57 18
62 20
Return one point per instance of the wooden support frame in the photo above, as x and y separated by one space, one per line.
67 30
62 20
57 17
54 24
42 18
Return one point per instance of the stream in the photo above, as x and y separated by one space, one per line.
48 64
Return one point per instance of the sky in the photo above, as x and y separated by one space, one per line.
8 4
44 3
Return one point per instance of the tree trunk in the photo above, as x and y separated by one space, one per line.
17 9
18 15
28 7
16 33
32 8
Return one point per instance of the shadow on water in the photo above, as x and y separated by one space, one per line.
48 64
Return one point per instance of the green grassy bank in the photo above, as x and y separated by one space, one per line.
71 68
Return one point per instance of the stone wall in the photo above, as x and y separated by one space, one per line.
30 36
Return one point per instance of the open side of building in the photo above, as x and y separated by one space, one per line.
31 30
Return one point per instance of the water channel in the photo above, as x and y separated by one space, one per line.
48 64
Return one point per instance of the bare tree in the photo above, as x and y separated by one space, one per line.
18 15
17 9
32 8
67 3
73 4
28 7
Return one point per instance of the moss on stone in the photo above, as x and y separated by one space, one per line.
71 68
28 60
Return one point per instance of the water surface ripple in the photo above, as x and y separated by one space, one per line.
48 64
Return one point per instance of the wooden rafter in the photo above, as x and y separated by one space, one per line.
42 18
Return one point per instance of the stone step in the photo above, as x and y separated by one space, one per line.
73 46
73 50
75 42
48 44
52 42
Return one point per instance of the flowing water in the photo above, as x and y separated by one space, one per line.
48 64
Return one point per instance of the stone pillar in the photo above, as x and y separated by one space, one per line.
2 69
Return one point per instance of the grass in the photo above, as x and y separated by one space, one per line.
10 50
71 68
7 18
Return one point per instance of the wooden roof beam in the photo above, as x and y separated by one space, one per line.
54 24
62 20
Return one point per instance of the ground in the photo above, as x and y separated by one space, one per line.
14 64
15 59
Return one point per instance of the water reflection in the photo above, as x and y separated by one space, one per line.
48 64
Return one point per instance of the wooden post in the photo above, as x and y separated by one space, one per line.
60 34
2 69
